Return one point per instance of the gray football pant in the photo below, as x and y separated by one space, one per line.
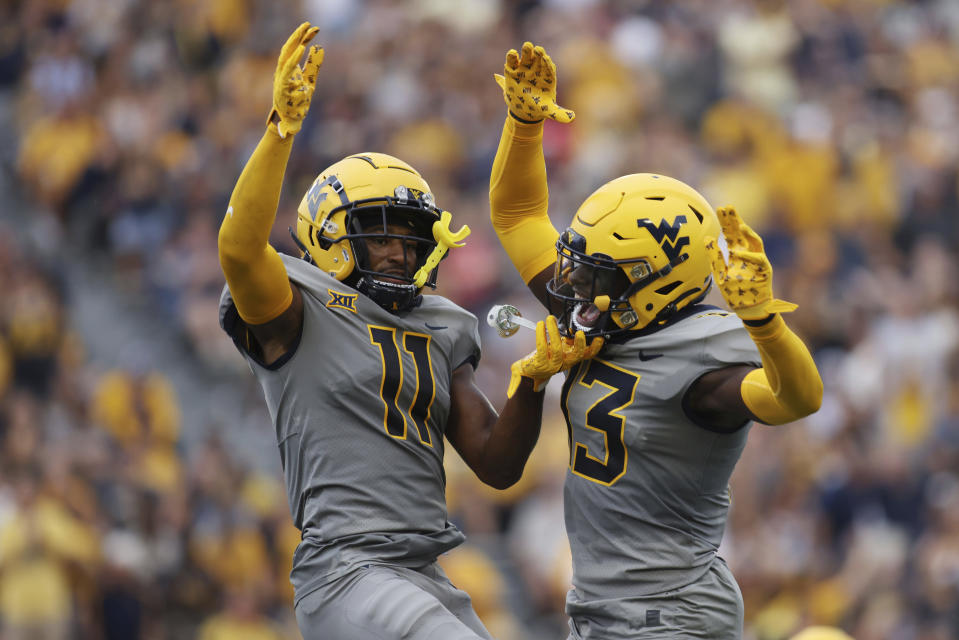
709 609
389 602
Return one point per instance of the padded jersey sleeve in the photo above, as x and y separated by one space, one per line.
467 347
730 345
455 330
719 340
230 320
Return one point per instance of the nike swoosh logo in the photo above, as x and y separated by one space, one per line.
646 357
436 328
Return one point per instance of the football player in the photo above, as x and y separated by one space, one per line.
658 419
364 376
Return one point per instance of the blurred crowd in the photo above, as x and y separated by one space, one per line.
832 126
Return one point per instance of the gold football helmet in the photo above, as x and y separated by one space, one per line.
632 256
359 197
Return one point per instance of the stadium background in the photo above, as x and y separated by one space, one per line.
139 492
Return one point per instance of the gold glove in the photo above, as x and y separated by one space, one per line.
529 86
553 354
293 86
745 278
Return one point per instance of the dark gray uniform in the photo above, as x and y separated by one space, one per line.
360 408
646 493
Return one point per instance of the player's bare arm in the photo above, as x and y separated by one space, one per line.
495 447
269 305
272 340
537 285
715 399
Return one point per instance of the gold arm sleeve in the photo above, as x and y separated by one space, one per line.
519 197
788 386
253 269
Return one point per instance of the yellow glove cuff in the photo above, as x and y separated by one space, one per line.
766 309
517 374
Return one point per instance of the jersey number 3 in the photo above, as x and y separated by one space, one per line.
602 416
417 345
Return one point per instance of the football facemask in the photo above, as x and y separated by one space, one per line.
591 293
369 198
371 223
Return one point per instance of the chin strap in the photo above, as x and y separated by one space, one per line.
302 247
394 298
445 240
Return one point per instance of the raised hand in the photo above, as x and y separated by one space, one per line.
745 278
293 86
529 86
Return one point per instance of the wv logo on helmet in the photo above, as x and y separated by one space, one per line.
315 196
667 235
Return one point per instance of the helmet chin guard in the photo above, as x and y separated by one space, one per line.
392 296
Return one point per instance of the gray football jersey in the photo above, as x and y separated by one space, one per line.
360 409
646 492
